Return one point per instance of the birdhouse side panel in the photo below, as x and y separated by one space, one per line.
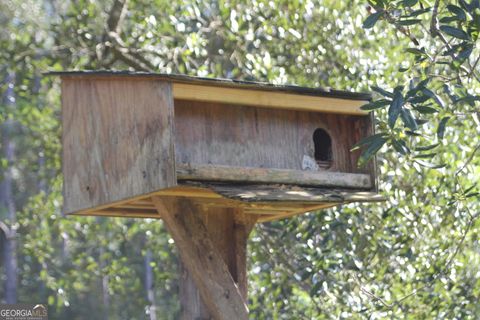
117 140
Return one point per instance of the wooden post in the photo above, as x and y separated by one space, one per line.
212 247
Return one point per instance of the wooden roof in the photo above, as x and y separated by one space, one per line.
244 92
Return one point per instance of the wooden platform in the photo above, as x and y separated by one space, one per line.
269 202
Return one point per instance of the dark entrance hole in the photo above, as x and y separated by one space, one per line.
323 148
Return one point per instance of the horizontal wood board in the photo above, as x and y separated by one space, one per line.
245 136
240 175
267 99
216 82
267 202
117 140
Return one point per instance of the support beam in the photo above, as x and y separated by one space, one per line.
203 258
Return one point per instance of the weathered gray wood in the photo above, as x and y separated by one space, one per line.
117 140
243 225
202 172
286 194
228 230
202 257
220 134
191 303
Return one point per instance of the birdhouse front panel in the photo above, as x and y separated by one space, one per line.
273 151
258 137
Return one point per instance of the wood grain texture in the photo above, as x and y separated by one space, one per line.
256 201
211 264
201 172
228 230
215 82
267 99
117 140
286 195
211 133
243 225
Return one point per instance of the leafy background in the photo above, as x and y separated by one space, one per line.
416 256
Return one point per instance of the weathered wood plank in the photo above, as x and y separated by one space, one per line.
244 223
228 230
202 172
242 136
288 196
216 82
202 258
266 218
117 140
268 99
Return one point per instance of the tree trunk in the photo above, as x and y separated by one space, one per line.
149 285
104 280
7 202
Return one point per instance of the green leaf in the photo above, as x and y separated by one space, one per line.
368 140
408 119
434 96
418 99
425 109
429 165
427 148
455 32
400 146
457 11
395 108
425 156
469 188
419 12
465 52
409 3
465 5
372 19
416 51
371 150
375 104
449 19
421 122
382 91
470 99
441 127
412 133
473 194
409 22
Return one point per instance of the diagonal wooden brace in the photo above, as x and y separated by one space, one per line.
217 288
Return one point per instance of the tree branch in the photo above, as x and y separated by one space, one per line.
116 16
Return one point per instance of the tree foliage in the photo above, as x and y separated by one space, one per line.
413 257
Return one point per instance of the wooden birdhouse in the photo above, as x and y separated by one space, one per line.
275 151
229 153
